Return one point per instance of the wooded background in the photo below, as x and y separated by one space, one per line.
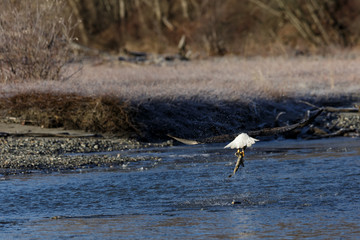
248 27
210 27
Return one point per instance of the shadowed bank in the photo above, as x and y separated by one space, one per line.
154 120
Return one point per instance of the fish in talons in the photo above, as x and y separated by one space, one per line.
241 142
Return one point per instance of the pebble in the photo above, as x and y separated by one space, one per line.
26 154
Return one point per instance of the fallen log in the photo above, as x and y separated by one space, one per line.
333 109
58 135
337 133
262 132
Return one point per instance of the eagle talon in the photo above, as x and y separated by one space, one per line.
240 153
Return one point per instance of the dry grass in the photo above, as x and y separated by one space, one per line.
219 79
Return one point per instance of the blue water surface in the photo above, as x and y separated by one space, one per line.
288 189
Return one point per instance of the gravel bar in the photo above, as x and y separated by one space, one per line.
31 154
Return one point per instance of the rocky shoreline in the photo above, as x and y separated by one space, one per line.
33 154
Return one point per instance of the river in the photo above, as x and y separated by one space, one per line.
288 189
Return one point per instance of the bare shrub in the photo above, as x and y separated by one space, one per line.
34 40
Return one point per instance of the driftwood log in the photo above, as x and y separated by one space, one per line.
262 132
337 133
58 135
308 119
354 109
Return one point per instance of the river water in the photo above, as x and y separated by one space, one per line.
288 189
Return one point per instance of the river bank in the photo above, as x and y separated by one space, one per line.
27 149
116 107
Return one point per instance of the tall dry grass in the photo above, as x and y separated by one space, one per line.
34 40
